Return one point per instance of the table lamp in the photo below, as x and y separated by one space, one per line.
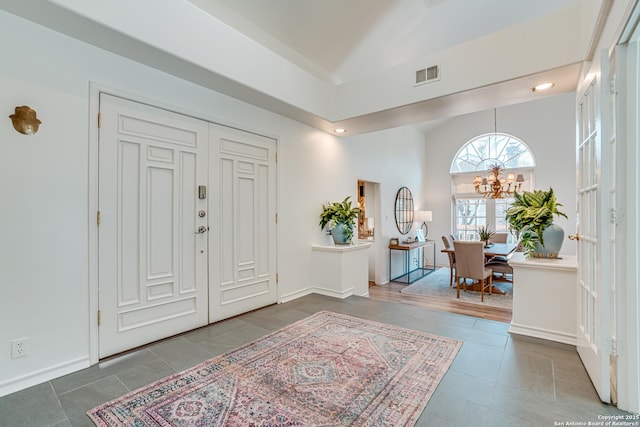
423 217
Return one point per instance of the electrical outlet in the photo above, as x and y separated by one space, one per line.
19 348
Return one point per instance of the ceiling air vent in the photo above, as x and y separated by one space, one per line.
427 75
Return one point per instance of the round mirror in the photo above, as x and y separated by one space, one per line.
404 210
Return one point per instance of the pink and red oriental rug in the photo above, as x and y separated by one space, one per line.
326 370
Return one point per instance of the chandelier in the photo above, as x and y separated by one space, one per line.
495 186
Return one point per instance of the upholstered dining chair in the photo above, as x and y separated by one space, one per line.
470 265
500 264
448 244
499 237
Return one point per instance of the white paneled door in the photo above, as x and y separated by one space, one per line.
593 332
152 256
243 222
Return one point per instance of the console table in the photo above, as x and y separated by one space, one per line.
420 271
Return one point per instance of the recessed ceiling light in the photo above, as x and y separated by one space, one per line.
542 86
340 130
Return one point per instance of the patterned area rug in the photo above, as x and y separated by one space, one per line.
326 370
436 285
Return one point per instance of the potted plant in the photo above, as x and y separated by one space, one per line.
485 234
341 220
530 216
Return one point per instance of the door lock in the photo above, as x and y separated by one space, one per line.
574 237
202 213
202 229
202 192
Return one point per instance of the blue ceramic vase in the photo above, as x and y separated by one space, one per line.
553 237
337 233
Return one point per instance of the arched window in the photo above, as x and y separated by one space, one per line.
471 209
480 153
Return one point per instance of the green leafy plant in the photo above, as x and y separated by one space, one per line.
334 213
485 233
530 213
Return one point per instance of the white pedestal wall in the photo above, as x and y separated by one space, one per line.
340 271
545 298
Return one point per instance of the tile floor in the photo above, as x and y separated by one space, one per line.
495 380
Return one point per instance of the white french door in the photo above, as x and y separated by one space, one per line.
612 169
623 195
243 222
593 332
628 221
152 263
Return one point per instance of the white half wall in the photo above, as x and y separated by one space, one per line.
546 126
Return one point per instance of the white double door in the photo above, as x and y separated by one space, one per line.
187 223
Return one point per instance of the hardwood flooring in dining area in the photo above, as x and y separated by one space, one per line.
391 292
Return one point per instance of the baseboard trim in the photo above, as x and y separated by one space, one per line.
543 333
320 291
34 378
295 295
333 293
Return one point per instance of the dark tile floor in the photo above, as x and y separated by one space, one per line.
496 379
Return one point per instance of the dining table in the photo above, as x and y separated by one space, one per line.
493 249
490 251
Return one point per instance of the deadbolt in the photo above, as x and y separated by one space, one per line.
202 213
202 191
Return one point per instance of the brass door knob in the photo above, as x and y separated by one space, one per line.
574 237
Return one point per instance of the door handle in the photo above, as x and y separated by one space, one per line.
202 229
574 237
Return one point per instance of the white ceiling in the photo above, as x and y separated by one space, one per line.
343 40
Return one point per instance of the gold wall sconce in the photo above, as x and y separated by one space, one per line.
25 120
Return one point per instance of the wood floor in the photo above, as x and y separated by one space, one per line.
391 292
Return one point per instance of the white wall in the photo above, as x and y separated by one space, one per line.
546 126
44 187
394 158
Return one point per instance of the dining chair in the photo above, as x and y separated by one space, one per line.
499 237
448 244
500 264
470 265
